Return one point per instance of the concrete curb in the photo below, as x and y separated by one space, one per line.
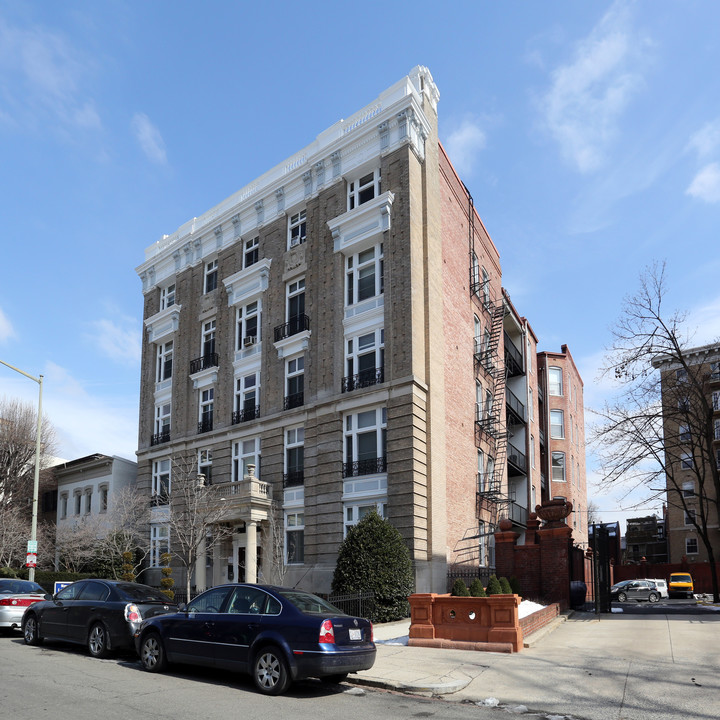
534 638
432 688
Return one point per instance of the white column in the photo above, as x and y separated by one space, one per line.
201 567
251 551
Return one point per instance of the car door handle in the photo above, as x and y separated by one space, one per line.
209 624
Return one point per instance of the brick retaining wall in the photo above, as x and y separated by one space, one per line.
532 623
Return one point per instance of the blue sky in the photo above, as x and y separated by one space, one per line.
587 132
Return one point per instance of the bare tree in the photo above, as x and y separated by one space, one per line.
196 515
14 532
659 430
274 547
125 529
18 431
77 544
593 513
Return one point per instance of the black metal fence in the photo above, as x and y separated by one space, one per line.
468 573
360 604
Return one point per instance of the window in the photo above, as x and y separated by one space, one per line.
365 360
686 461
294 537
103 498
689 517
159 543
164 361
205 465
688 489
363 190
211 276
245 454
478 334
557 424
364 274
485 287
63 505
475 275
684 433
478 401
252 252
715 370
365 438
532 451
716 426
297 229
295 383
88 501
162 422
355 512
558 467
681 375
78 502
684 404
247 398
205 419
715 400
531 405
555 381
482 484
691 546
208 339
248 325
167 297
294 457
161 482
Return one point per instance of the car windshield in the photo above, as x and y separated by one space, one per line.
141 593
19 587
681 578
308 603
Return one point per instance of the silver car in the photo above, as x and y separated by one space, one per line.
15 597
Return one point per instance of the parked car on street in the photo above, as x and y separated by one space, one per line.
276 634
102 614
681 584
661 586
635 590
15 597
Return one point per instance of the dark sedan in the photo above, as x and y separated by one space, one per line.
635 590
276 634
101 614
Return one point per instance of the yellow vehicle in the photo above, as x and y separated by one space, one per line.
681 584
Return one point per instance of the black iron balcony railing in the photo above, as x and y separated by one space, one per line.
516 458
364 378
513 405
204 363
294 400
161 498
161 437
251 413
364 467
513 357
293 478
292 327
518 514
206 424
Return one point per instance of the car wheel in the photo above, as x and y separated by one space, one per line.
152 653
337 679
98 641
653 597
31 631
270 672
622 597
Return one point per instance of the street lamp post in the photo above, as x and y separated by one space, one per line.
36 480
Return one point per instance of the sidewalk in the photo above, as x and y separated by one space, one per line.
638 667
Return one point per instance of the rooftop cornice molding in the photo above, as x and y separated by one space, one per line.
693 356
394 118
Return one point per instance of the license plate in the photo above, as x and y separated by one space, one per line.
355 634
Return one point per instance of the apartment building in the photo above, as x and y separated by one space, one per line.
332 339
563 435
690 386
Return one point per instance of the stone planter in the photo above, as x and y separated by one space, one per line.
472 623
554 512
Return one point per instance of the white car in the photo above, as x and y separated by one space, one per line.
661 586
15 597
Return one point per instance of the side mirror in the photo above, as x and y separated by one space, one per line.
46 596
182 607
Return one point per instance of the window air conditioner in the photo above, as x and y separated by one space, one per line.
294 241
249 341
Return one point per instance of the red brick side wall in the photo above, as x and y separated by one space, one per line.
533 623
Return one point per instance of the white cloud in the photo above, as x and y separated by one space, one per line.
7 331
464 144
706 184
588 96
706 140
41 77
118 339
150 139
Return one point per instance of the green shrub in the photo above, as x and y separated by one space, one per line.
494 587
374 558
459 588
166 582
477 589
8 572
505 586
515 585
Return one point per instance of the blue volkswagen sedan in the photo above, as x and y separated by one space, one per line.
277 635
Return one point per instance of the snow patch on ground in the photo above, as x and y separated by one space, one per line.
528 608
612 609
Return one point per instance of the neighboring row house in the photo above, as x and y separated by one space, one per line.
334 339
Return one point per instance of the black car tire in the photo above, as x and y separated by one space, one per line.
152 653
622 597
31 631
98 642
337 679
270 671
653 597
